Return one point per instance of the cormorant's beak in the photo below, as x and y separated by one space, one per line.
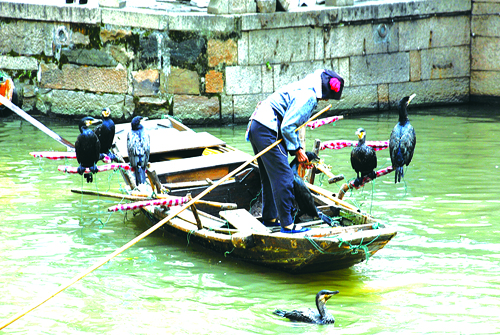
410 98
360 134
145 118
95 121
106 112
330 294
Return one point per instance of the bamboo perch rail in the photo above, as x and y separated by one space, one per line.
141 197
147 232
100 168
347 186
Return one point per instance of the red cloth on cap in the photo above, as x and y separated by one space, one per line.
335 84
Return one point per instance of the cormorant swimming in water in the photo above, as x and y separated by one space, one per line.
403 140
138 149
363 159
106 133
9 91
87 148
322 316
303 196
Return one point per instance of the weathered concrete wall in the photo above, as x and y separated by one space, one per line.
485 50
207 68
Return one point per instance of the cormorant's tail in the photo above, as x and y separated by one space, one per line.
398 174
140 176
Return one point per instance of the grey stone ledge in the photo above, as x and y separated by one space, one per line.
63 13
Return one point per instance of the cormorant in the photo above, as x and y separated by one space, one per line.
106 133
87 148
303 196
309 315
9 91
138 149
403 140
363 159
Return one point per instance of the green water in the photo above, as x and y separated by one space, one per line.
440 274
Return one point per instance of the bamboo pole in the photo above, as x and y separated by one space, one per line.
147 232
350 185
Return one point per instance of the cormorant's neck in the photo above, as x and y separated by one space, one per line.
403 115
361 141
321 308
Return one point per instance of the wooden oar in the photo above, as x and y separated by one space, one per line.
147 232
36 123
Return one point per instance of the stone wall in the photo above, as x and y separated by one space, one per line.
213 69
485 50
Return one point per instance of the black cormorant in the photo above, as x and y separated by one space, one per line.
322 316
87 148
363 159
138 149
303 196
403 140
106 133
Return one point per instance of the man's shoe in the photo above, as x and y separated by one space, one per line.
294 229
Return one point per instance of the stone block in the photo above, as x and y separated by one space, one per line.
484 53
202 23
214 82
112 3
152 107
434 32
415 65
337 3
244 105
146 82
299 18
27 38
486 7
243 49
343 70
266 6
227 110
287 73
383 96
183 81
288 5
319 44
439 63
243 80
91 57
355 40
281 45
222 52
88 14
485 83
380 69
361 98
185 51
114 34
18 63
267 79
80 104
485 25
197 110
85 78
431 92
141 19
120 54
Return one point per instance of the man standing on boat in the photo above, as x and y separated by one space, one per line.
278 117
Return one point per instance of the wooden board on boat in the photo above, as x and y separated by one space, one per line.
242 220
171 140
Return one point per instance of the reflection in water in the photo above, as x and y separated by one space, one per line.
439 274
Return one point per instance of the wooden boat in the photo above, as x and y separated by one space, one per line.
183 162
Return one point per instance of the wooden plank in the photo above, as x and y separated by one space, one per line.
199 163
171 140
242 220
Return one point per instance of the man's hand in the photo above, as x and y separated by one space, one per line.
302 158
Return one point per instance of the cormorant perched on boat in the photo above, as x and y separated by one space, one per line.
403 140
106 133
87 148
138 149
363 159
303 196
322 316
9 91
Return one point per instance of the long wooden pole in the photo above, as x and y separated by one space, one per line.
147 232
36 123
